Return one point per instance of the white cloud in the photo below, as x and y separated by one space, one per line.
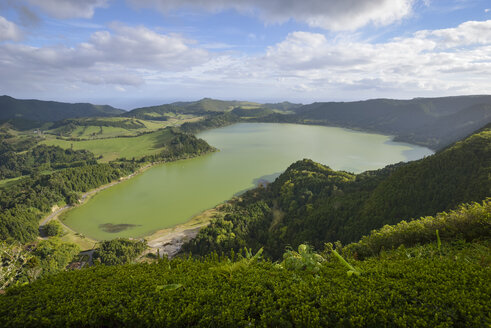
126 56
468 33
64 9
304 67
426 62
9 31
328 14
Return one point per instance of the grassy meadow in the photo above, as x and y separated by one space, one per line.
112 148
110 127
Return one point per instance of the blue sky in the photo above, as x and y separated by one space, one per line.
130 53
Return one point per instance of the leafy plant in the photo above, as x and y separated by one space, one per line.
303 260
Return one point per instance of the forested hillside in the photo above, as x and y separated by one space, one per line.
311 203
210 107
433 122
40 158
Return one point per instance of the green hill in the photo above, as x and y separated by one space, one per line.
24 112
311 203
208 106
200 107
434 122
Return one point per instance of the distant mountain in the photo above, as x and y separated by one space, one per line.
200 107
21 111
282 106
434 122
207 106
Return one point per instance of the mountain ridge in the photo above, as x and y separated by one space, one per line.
33 110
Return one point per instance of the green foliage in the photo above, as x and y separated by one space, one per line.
53 228
119 251
54 255
23 264
229 267
213 121
13 259
42 158
179 147
393 291
468 222
303 260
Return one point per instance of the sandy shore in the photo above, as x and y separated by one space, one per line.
169 241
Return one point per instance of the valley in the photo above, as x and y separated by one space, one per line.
170 194
246 189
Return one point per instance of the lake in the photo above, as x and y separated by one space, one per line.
172 193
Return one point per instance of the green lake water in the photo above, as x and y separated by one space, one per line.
172 193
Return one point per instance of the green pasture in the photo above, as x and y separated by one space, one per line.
113 148
101 132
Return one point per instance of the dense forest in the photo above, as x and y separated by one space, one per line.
181 146
311 203
440 282
119 251
40 158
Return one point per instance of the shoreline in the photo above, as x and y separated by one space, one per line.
177 231
168 241
87 195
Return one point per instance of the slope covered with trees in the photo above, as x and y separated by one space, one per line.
41 158
311 203
432 122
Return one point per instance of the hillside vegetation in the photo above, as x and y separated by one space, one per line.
208 106
432 122
28 113
110 127
311 203
437 284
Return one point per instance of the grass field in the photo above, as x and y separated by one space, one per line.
114 148
90 132
83 242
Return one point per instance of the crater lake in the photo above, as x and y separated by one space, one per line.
170 194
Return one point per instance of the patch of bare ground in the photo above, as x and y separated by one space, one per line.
169 241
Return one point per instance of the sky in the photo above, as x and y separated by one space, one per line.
133 53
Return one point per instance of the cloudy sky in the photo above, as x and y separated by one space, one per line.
130 53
